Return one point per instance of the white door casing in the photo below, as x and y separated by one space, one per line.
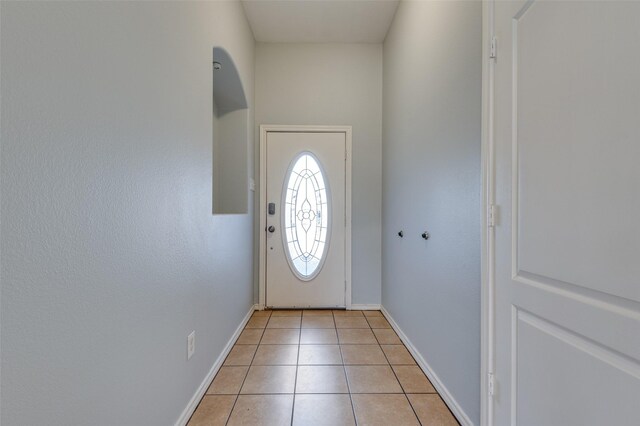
281 284
564 153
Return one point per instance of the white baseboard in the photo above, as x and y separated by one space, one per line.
355 307
361 307
456 409
193 404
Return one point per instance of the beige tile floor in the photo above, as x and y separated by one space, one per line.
320 367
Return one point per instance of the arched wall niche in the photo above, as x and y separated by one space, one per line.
230 137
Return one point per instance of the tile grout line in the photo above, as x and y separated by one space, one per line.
346 377
324 393
247 373
396 376
295 382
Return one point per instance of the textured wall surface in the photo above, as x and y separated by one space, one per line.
431 181
110 254
334 84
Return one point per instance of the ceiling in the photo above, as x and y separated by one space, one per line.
320 21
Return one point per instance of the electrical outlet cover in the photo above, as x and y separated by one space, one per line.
191 344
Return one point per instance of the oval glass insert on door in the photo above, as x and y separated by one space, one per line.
306 216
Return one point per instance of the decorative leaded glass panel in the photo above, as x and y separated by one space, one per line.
306 216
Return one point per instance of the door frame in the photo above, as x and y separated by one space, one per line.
262 206
487 251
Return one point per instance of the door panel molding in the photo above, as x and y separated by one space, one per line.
515 165
262 205
579 341
533 376
535 202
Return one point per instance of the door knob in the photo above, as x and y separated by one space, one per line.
271 229
425 235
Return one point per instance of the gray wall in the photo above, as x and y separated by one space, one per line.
230 165
334 84
110 254
431 181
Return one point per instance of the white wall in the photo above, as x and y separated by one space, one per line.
334 84
431 181
110 254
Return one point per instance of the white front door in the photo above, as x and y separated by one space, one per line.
567 186
305 219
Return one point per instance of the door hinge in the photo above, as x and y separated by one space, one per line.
491 384
492 216
493 48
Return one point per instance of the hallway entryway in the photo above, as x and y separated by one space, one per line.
320 367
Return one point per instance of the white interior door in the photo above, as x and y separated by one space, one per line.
567 185
305 222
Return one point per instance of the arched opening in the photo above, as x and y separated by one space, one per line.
230 137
